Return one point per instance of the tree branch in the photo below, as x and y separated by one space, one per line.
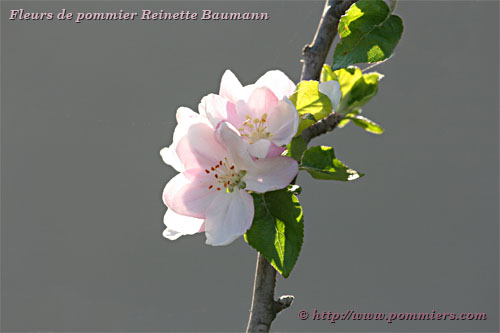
323 126
315 56
264 308
316 52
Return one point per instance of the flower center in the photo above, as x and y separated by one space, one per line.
255 129
226 177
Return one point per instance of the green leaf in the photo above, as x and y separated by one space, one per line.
347 77
357 88
367 124
363 122
310 104
277 231
321 163
327 74
368 33
347 118
296 148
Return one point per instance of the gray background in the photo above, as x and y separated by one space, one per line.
87 107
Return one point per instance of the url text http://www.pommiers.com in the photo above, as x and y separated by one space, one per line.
389 317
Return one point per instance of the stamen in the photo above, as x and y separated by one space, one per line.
255 128
227 176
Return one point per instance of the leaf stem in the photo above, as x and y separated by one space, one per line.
392 5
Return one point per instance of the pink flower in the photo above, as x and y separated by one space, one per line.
210 194
261 112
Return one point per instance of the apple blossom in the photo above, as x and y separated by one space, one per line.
261 112
210 194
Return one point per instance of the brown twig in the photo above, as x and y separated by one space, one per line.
314 58
264 308
316 52
323 126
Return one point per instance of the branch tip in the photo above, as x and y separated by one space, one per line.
283 302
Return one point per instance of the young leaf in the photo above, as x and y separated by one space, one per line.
277 230
321 163
347 77
347 118
296 148
357 88
367 124
327 74
368 33
310 104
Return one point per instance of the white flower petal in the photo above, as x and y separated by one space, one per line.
278 82
170 157
230 86
229 217
283 122
242 110
184 114
259 148
275 150
185 118
199 149
332 90
180 225
216 109
271 174
189 194
246 92
230 138
261 100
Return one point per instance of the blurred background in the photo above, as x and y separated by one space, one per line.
86 108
